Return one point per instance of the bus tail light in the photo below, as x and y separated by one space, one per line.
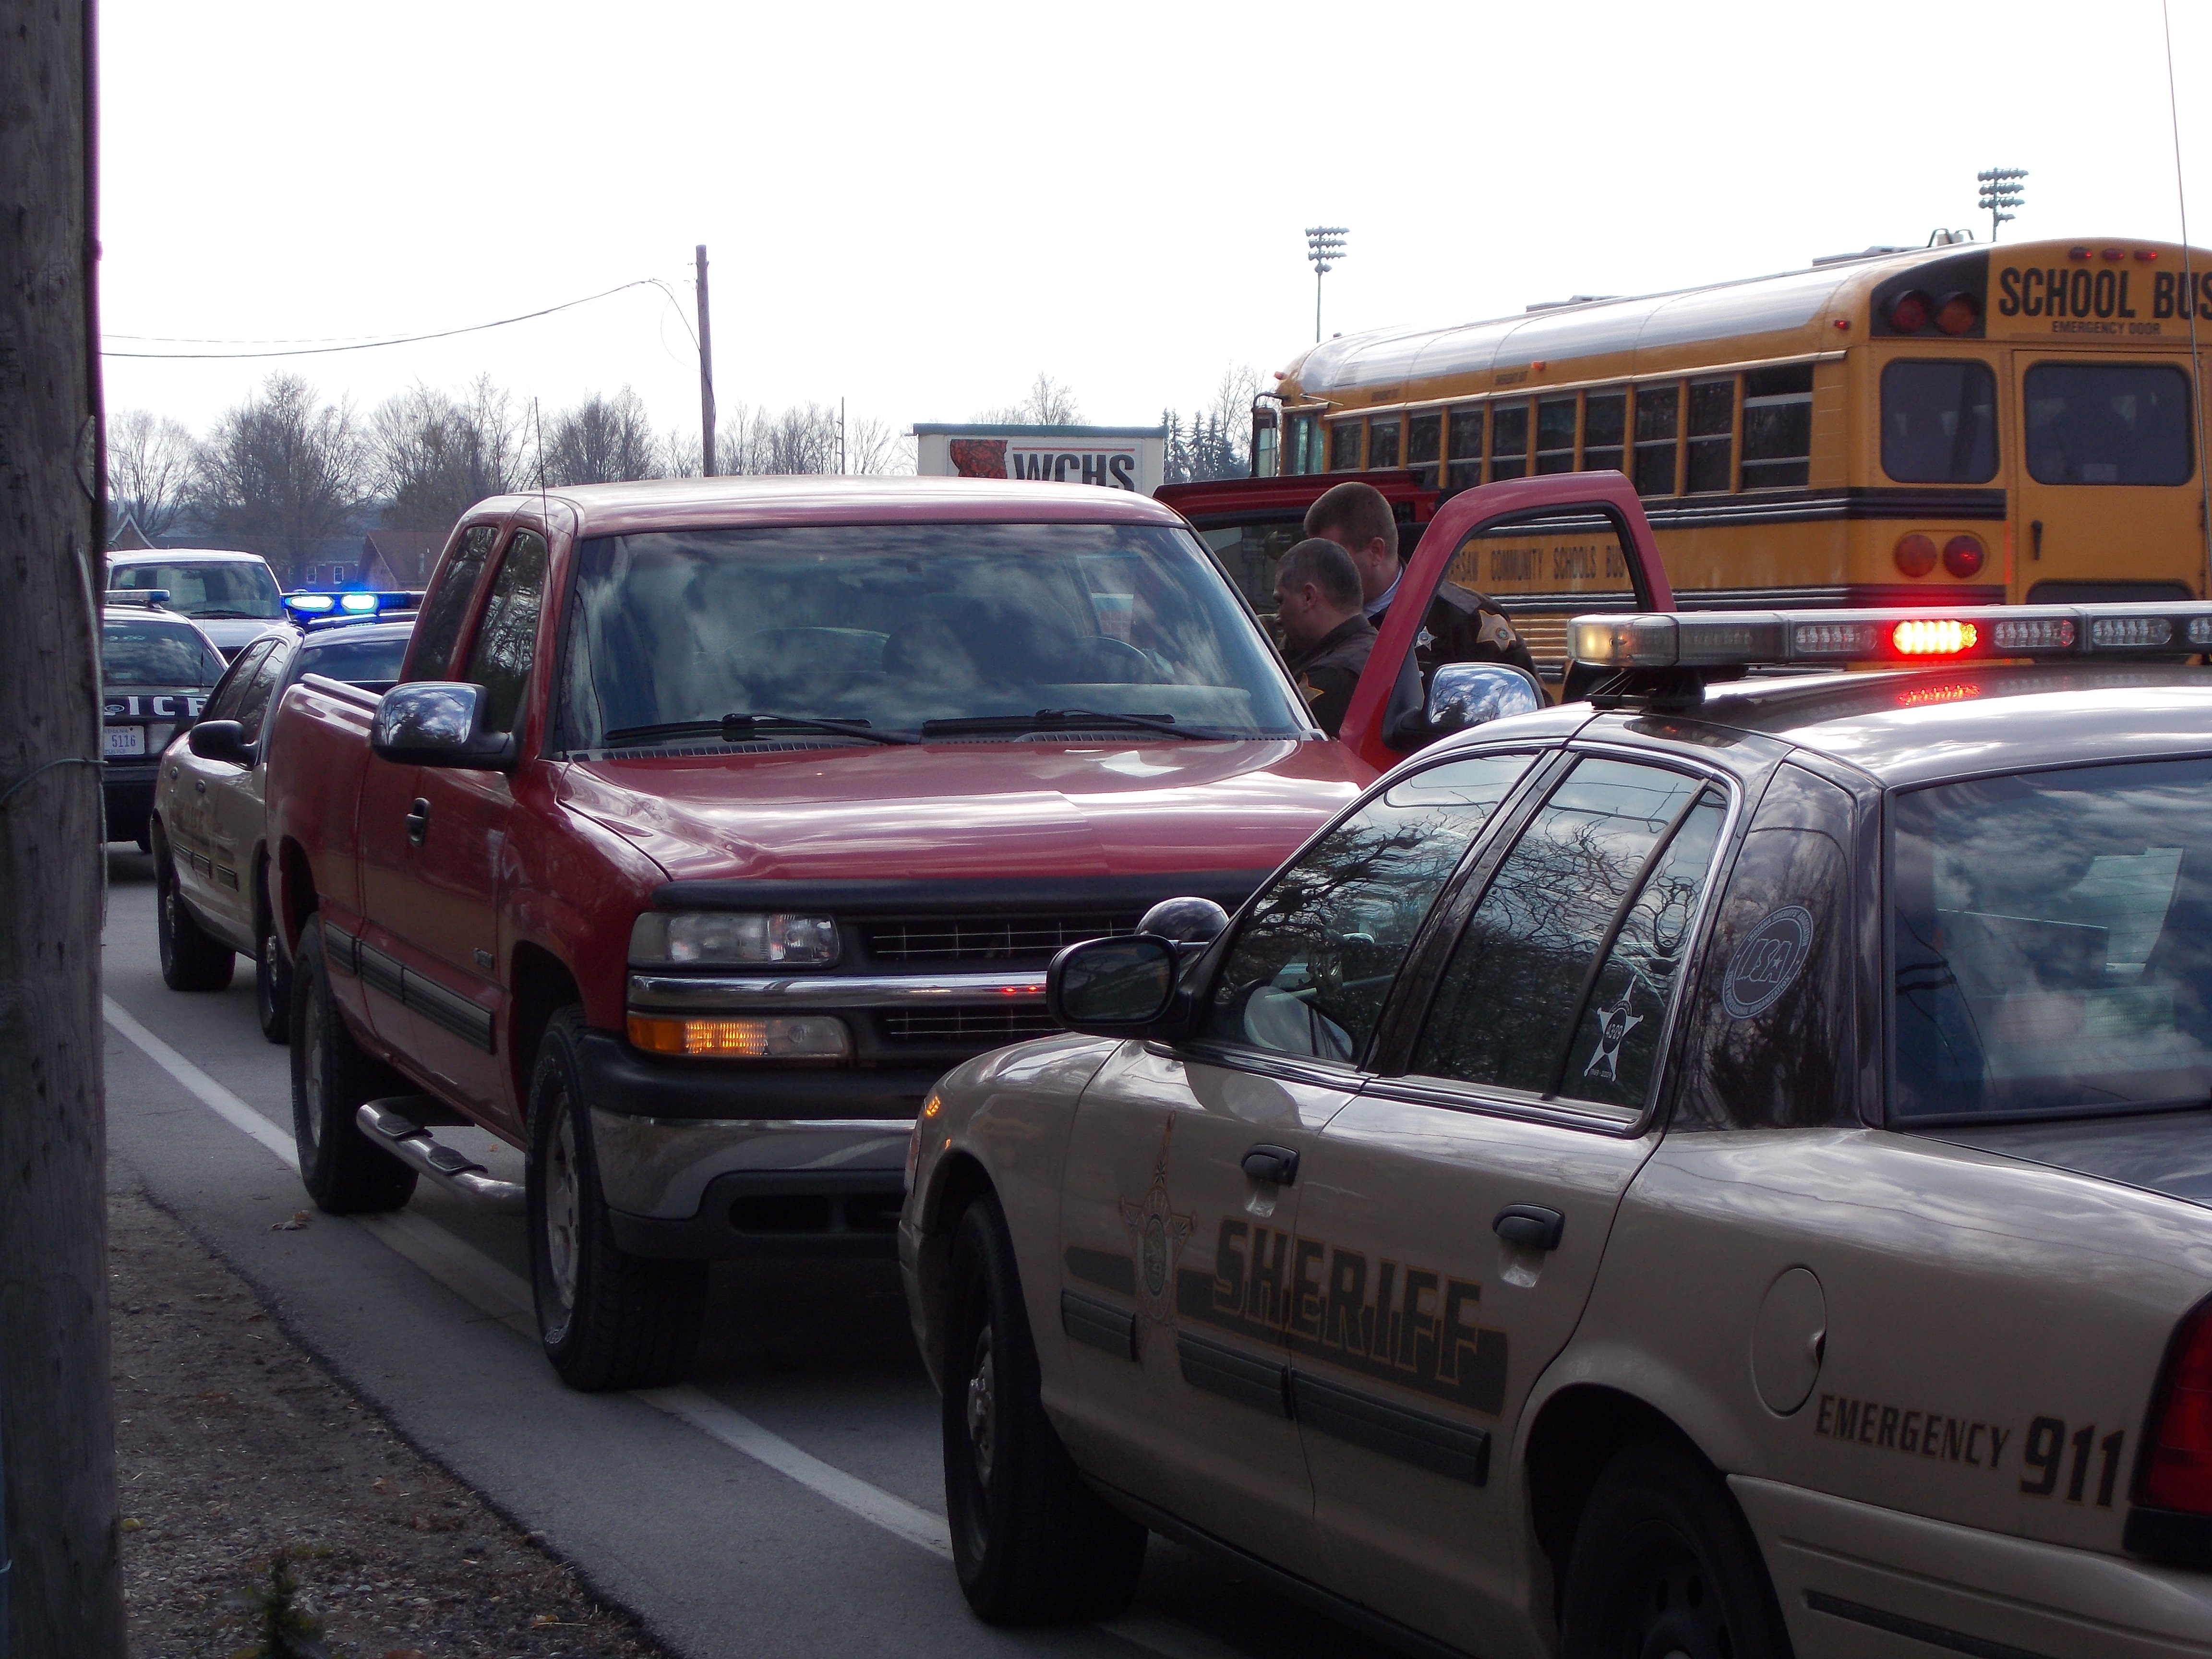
2177 1474
1941 636
1962 556
1958 313
1915 555
1911 311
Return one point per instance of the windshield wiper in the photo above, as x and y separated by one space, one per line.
739 728
1065 719
232 616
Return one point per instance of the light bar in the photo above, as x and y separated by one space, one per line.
1938 634
348 602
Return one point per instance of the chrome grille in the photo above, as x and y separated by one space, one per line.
993 939
997 1024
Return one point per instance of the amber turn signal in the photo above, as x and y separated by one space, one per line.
803 1037
1915 555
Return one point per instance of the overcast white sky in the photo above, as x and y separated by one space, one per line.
918 208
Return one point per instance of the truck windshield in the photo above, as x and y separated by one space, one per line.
893 626
215 589
2053 943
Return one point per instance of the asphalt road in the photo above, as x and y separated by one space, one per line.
787 1500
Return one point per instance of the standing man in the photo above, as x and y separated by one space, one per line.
1460 626
1325 637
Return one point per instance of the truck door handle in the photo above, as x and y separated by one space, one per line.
1530 1226
418 822
1277 1164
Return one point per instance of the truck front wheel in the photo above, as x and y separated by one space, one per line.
608 1319
345 1171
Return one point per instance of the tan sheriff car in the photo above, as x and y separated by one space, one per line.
1721 1173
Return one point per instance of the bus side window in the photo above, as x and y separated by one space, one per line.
1712 429
1382 442
1939 421
1299 457
1605 426
1465 452
1555 435
1509 439
1425 436
1658 421
1777 427
1344 447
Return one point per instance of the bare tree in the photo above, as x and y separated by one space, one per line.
150 472
279 474
679 454
1049 403
602 440
57 1520
435 456
876 447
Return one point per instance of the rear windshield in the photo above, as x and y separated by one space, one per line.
2053 943
2107 423
356 661
1939 423
144 651
897 626
217 589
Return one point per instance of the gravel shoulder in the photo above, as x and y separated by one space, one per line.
233 1445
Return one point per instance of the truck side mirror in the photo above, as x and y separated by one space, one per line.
1464 694
1112 987
220 740
439 723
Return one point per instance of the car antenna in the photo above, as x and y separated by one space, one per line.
2189 280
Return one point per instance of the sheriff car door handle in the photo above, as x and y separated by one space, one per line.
1530 1226
1277 1164
418 822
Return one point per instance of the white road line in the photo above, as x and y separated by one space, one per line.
503 1296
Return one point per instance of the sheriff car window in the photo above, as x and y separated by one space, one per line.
1516 1007
506 640
445 610
944 629
1770 1030
1939 421
253 702
1310 969
135 651
2051 942
2107 423
230 689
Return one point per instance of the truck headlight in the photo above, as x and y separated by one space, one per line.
805 1036
730 938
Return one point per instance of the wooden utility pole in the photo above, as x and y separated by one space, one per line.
63 1595
706 374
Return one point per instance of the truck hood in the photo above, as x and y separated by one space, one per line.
971 810
2168 1152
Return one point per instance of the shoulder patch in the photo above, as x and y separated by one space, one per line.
1766 962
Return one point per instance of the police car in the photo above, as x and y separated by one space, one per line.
208 815
155 671
1720 1171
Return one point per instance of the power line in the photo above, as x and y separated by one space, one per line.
405 339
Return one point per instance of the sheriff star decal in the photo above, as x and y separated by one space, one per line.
1159 1233
1614 1024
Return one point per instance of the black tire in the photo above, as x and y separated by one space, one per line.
272 982
1032 1544
346 1172
607 1319
1663 1562
190 959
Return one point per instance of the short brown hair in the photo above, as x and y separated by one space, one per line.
1356 511
1327 567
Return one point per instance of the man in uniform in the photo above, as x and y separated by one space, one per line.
1325 638
1460 626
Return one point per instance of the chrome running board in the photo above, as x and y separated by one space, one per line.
389 1129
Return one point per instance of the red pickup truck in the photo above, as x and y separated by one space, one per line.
711 821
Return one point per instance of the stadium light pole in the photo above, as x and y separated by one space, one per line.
2002 191
1324 246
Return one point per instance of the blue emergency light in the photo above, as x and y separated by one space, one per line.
348 603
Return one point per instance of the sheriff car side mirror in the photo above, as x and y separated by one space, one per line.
438 723
220 740
1464 694
1113 987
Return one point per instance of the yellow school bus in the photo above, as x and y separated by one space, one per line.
1968 424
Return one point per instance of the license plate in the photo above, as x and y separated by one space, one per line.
127 740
